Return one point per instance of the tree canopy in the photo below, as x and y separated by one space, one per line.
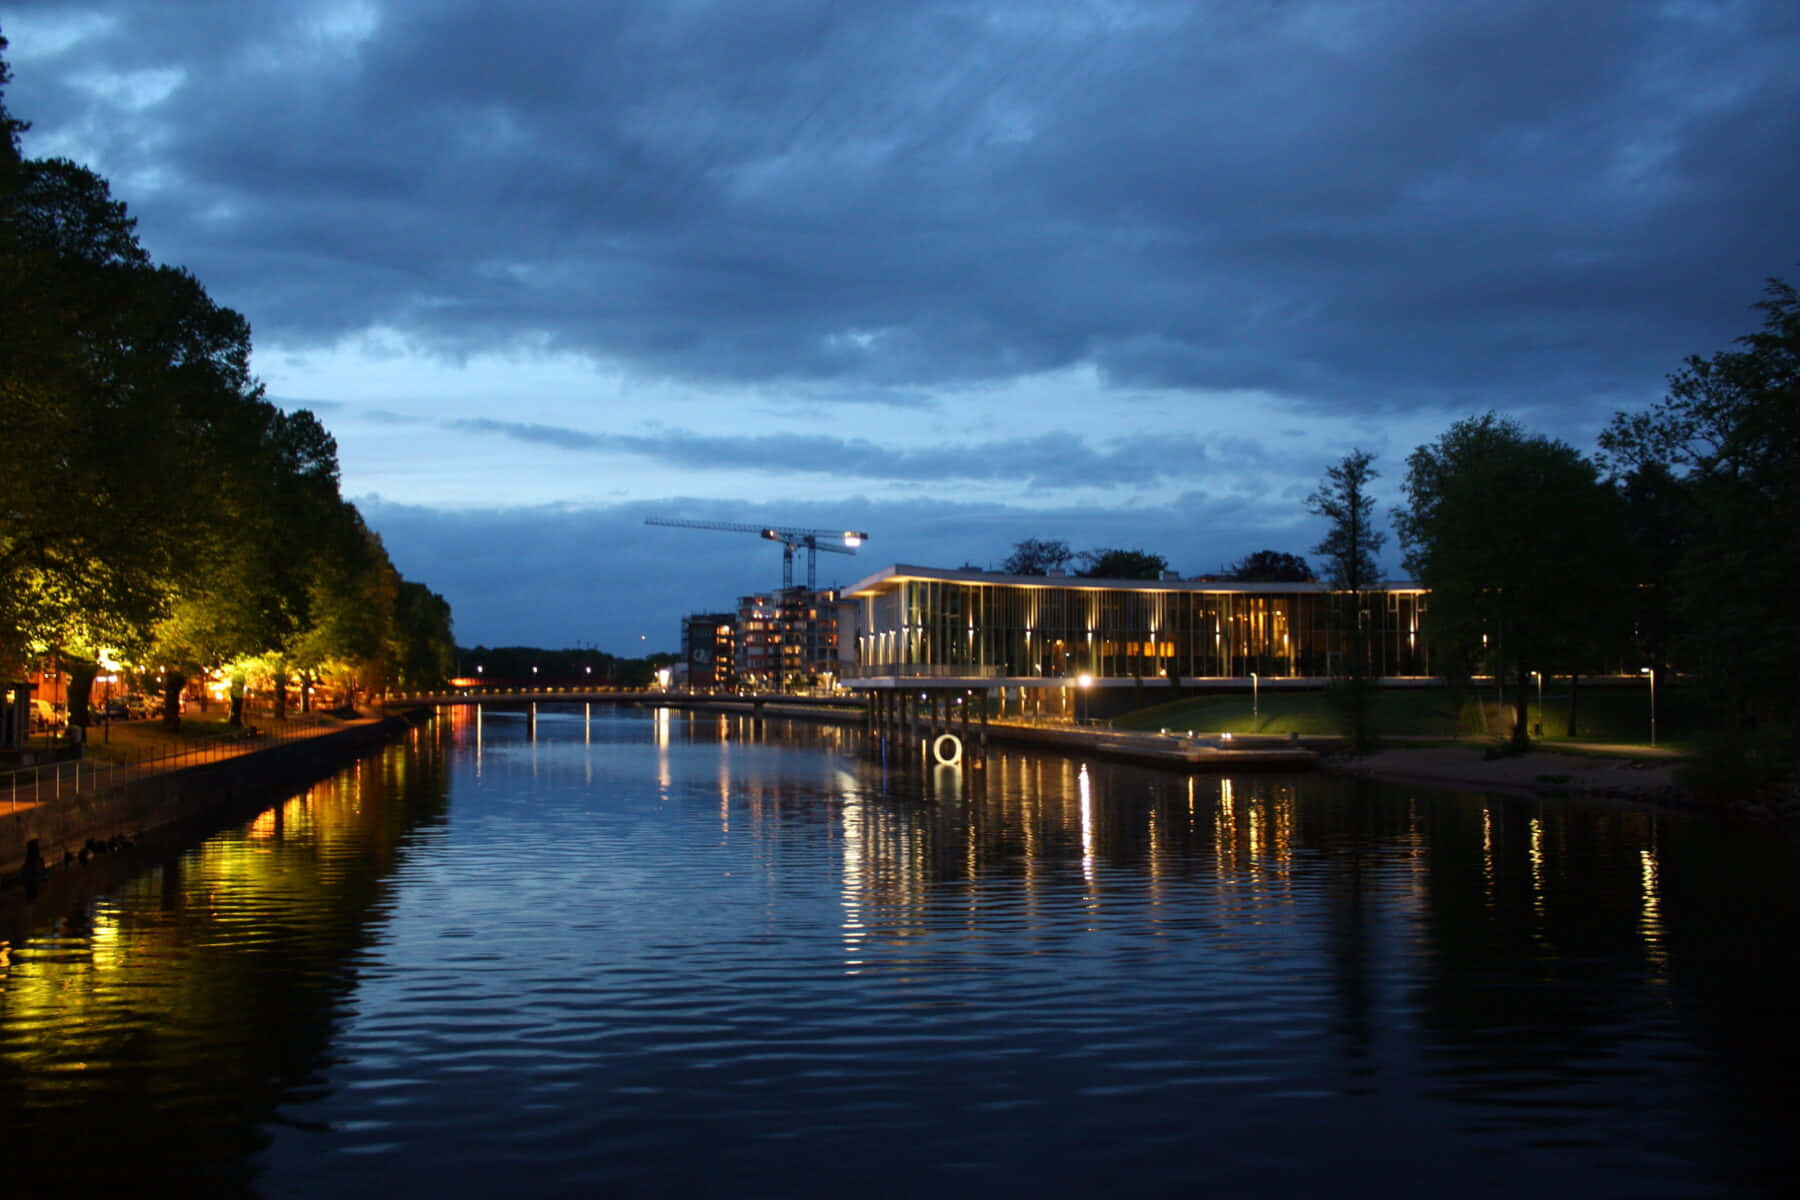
160 511
1037 556
1522 547
1352 541
1719 458
1270 566
1121 564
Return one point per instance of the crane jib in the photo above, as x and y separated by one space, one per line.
791 537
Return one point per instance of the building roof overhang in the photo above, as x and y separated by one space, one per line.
881 580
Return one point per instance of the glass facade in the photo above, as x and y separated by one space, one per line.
922 621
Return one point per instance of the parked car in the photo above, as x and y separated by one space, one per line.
139 706
115 710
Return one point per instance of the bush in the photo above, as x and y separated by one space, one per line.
1741 767
1352 702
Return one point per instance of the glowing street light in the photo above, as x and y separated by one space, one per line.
1255 696
1084 681
1651 672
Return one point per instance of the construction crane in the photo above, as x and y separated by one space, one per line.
841 541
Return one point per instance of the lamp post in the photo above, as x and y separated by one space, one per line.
1255 701
1084 681
1539 676
1651 672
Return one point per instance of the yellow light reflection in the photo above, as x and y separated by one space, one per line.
1087 824
1537 866
855 881
1487 856
1650 923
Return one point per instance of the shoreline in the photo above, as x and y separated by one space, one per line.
1533 773
38 838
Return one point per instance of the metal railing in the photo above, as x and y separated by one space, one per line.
49 782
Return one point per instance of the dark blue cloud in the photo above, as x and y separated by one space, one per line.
1364 206
1041 460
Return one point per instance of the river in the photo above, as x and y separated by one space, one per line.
640 952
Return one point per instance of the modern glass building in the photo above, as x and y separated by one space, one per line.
907 622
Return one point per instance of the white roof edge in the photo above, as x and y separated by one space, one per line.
949 575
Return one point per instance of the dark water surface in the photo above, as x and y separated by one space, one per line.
653 954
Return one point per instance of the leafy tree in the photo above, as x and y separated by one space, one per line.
1122 564
1349 547
10 129
1352 541
1522 547
426 650
70 276
1270 566
1659 524
175 517
1724 447
1034 556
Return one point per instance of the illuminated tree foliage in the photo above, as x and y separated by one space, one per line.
157 508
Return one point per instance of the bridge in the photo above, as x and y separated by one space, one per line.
756 701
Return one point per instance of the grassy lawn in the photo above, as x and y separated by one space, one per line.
1608 714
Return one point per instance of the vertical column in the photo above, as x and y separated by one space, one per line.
984 722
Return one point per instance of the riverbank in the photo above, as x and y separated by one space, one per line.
1633 774
35 837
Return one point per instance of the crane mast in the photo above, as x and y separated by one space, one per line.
791 537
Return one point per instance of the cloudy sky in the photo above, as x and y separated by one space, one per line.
954 272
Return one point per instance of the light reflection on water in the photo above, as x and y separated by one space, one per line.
574 950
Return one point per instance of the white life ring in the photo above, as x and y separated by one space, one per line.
954 757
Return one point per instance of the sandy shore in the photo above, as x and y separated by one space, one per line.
1536 772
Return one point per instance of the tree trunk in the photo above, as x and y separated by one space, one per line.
235 715
1574 691
81 689
281 686
1521 737
173 682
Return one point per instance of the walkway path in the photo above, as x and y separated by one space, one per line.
126 752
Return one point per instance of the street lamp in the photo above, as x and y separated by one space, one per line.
1651 672
1084 681
1255 700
